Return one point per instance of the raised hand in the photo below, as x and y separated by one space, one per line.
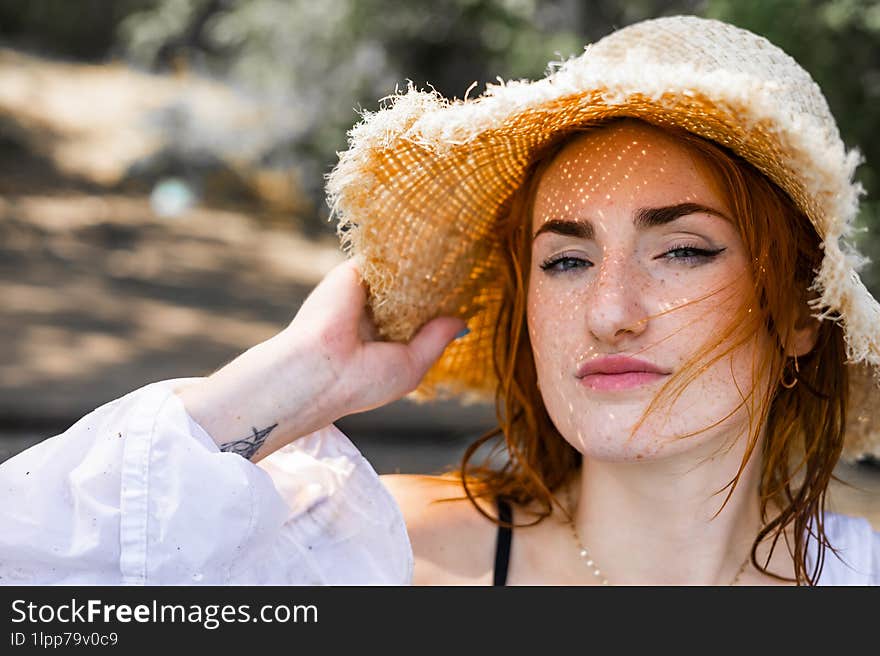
327 363
368 373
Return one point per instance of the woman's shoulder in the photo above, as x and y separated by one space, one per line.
452 543
857 561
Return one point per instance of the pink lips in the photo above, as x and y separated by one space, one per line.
617 372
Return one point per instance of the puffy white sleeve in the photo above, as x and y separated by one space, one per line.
857 561
136 492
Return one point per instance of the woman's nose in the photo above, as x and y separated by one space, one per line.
616 311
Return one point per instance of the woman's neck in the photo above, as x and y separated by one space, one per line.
655 522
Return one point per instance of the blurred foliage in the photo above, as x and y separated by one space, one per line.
83 30
320 62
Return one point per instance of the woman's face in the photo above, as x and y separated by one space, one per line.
629 234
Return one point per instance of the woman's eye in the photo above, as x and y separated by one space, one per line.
567 264
690 254
682 254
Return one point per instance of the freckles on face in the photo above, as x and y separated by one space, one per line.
607 265
634 253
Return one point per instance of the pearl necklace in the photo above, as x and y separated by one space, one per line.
590 563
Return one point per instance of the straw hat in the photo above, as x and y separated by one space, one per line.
418 192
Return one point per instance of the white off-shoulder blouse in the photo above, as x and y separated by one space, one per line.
136 492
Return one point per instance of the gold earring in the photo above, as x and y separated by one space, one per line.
796 370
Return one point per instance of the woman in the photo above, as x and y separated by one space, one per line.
661 273
633 242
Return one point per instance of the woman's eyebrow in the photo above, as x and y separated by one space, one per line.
643 218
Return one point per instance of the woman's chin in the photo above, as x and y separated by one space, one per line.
639 449
622 454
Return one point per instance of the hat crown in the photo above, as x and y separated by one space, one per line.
710 47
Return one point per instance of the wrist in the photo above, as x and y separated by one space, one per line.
265 398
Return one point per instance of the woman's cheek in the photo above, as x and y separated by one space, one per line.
544 330
553 317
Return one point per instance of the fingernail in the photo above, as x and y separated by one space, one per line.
462 333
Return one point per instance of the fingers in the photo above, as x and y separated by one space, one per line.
367 331
338 298
428 344
345 279
397 369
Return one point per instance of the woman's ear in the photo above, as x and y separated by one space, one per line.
806 333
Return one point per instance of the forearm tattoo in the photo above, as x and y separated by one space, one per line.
248 446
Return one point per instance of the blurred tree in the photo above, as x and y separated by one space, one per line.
84 30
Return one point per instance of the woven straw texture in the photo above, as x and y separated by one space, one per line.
424 181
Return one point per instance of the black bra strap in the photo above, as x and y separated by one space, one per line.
502 544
